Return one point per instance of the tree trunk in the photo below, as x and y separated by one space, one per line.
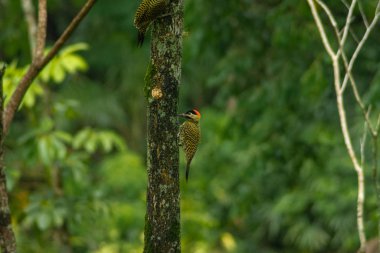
162 222
7 238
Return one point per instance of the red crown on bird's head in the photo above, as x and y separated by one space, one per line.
196 112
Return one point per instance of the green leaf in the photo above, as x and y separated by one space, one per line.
66 62
59 148
106 141
91 144
43 220
64 136
58 73
59 215
81 137
44 150
74 48
74 63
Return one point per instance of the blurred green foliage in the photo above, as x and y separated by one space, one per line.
271 174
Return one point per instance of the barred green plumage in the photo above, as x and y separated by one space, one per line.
146 13
189 136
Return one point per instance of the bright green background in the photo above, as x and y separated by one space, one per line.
271 174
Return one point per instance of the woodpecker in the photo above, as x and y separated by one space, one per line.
146 13
189 136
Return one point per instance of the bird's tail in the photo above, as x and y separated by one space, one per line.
140 38
187 171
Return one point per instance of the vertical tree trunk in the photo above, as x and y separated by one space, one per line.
7 238
162 223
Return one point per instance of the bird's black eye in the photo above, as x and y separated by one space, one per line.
191 112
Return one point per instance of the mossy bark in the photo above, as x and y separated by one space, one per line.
7 237
162 223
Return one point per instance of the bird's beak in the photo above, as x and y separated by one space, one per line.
182 115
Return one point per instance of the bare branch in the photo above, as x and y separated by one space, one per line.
363 243
348 21
375 176
330 16
354 36
358 97
335 60
28 8
345 4
378 123
360 46
69 30
340 103
351 153
341 35
41 33
362 144
352 80
321 30
36 67
364 17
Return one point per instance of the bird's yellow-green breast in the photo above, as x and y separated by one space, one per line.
189 137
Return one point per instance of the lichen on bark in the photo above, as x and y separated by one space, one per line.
150 72
162 228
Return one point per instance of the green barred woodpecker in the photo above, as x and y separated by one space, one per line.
146 13
189 136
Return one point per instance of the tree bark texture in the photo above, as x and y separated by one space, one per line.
7 237
162 223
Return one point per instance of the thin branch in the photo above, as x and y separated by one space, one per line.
360 46
330 16
36 67
362 145
341 51
28 8
377 123
375 176
352 80
358 99
346 28
364 17
348 21
41 33
335 60
349 73
340 104
354 36
363 244
374 132
68 31
321 29
352 155
345 4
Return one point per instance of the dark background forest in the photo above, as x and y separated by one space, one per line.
271 174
